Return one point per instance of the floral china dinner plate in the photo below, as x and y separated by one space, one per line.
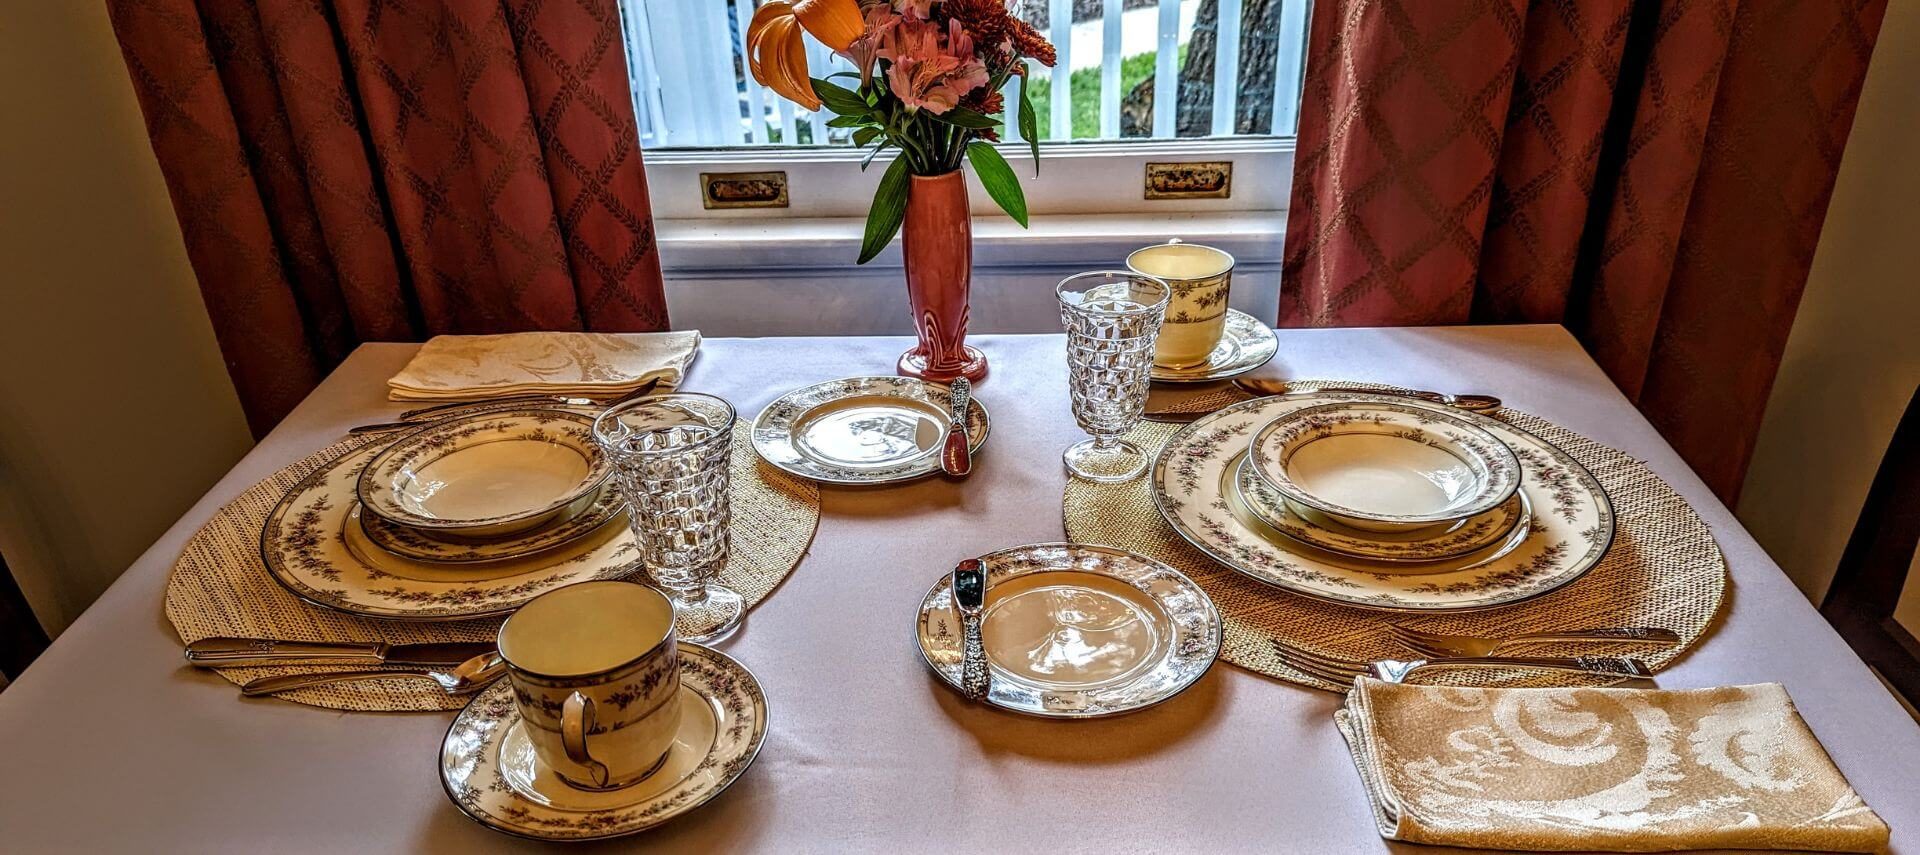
862 430
1078 631
489 769
487 474
586 515
1570 528
1245 344
305 549
1307 526
1384 466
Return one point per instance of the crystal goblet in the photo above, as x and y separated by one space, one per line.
1112 319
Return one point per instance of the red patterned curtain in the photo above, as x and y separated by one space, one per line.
359 170
1652 174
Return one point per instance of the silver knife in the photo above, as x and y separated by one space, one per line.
970 595
224 652
956 453
459 408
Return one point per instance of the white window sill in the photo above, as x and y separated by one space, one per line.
705 248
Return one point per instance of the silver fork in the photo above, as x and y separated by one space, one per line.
1340 672
1441 644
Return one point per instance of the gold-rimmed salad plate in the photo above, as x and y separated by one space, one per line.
1077 631
586 515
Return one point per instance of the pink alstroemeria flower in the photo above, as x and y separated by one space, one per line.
918 10
929 72
870 46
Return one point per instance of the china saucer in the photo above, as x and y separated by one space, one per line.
1314 529
490 771
486 475
1078 631
1246 344
586 515
861 430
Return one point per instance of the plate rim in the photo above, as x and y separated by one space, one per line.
1605 506
1217 637
760 420
762 727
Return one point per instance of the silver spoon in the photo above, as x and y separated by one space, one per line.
469 676
1472 403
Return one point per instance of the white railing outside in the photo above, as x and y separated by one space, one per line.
687 61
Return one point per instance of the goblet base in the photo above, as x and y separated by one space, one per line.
707 613
1113 463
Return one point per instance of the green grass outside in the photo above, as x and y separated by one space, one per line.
1085 86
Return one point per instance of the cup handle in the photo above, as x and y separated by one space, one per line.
576 719
1172 241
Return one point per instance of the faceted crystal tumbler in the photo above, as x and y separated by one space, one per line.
1112 319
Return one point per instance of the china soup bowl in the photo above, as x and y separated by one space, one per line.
1385 467
485 475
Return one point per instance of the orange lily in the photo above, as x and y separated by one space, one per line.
776 53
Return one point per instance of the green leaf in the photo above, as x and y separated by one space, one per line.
847 121
965 118
884 144
1029 124
889 208
865 135
998 178
840 99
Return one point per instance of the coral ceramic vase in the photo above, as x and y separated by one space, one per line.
937 240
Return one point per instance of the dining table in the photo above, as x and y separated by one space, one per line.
110 742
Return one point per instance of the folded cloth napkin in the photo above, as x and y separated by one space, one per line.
1618 770
467 367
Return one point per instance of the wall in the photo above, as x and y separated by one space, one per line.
1854 355
115 410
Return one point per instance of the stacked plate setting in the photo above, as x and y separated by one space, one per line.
1382 501
466 517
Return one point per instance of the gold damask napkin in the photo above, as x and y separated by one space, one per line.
465 367
1618 770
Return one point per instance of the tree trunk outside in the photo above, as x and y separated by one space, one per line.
1259 45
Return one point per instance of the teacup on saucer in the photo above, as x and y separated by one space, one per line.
494 775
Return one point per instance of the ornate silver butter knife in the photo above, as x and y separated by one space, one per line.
956 455
970 596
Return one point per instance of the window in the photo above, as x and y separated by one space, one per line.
699 110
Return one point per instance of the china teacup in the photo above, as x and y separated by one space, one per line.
1201 277
595 673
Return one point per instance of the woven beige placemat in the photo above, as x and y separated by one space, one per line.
220 587
1664 569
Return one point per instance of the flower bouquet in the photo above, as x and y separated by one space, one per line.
928 84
